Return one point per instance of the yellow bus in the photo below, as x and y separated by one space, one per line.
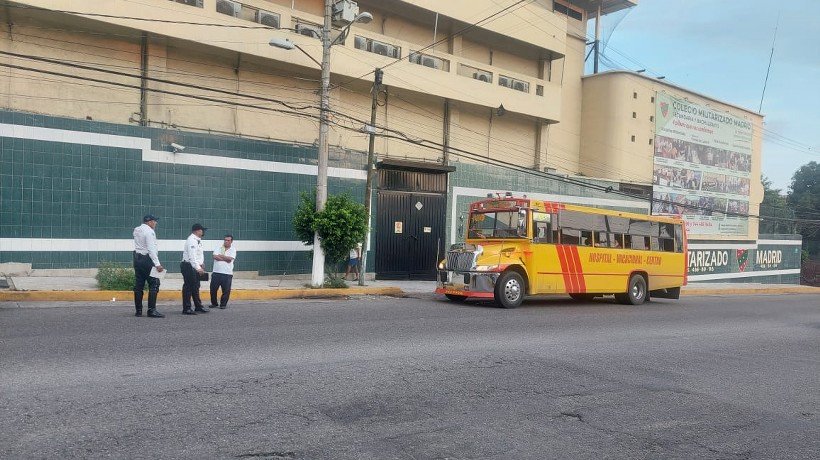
518 246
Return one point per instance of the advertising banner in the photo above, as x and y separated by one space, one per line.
702 167
709 262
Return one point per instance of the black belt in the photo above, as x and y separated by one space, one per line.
138 255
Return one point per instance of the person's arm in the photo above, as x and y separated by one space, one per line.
153 251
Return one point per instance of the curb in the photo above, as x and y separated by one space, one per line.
236 294
750 291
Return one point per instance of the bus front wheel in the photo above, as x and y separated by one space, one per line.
509 289
637 292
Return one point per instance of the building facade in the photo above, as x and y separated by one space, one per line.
479 96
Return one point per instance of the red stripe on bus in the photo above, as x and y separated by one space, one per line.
582 285
571 269
564 267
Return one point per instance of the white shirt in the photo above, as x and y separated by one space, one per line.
226 268
145 242
354 253
192 253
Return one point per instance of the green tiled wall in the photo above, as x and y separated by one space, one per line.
63 190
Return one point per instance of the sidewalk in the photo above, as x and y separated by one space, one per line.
84 288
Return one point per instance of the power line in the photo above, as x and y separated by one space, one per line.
400 136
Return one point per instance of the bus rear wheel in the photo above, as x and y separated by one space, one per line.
509 289
636 294
456 298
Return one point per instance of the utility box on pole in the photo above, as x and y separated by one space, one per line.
344 12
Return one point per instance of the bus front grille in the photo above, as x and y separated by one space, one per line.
460 261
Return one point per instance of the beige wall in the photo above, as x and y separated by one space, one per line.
240 61
607 149
565 136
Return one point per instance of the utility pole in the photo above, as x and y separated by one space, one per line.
597 44
368 189
317 278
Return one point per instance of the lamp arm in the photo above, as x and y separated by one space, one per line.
308 55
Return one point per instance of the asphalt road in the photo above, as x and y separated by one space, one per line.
703 377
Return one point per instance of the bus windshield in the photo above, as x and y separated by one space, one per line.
498 224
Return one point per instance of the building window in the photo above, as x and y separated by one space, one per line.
375 46
634 115
248 13
196 3
539 90
475 73
633 138
634 95
518 85
651 118
652 99
650 141
228 7
429 61
567 10
307 29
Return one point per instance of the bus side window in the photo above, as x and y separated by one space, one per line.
586 238
542 232
570 236
667 245
638 242
616 240
654 243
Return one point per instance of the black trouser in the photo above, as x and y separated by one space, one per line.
190 286
221 280
142 272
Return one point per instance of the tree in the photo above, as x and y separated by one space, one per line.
341 226
804 199
775 206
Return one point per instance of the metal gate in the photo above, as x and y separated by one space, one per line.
411 208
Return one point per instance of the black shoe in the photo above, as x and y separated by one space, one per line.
188 311
222 307
214 306
202 309
153 313
138 313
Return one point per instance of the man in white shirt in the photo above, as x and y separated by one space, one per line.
192 267
146 257
222 275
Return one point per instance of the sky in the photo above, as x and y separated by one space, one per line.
721 49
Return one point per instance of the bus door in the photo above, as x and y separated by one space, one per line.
545 270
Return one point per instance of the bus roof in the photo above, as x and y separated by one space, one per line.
509 203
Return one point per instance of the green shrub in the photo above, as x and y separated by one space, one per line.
341 226
335 282
112 276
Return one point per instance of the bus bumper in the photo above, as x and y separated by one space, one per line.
480 285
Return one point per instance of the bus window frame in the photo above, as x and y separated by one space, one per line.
548 231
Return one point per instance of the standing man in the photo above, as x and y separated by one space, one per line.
222 276
192 267
146 258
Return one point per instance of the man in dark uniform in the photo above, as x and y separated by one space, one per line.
145 258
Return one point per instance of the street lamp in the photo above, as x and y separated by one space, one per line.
317 278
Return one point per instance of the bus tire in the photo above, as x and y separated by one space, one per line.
509 289
637 293
582 297
456 298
